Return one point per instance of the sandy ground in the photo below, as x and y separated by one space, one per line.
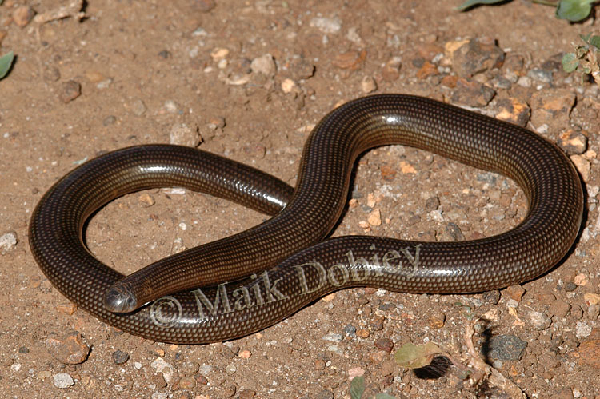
146 68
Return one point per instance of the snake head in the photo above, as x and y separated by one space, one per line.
120 299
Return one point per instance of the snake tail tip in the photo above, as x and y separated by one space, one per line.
120 299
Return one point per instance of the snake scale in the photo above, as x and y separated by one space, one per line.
243 283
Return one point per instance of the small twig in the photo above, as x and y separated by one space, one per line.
484 370
594 66
72 10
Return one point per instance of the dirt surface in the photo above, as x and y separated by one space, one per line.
148 69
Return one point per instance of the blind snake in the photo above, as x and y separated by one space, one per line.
258 277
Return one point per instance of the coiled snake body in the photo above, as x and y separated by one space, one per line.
283 263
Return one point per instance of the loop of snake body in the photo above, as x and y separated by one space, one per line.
243 283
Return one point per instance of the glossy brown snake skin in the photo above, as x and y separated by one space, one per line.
283 263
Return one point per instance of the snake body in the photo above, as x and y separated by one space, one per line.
258 277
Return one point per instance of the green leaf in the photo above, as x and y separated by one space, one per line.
595 41
5 62
411 356
570 62
383 396
357 387
574 10
471 3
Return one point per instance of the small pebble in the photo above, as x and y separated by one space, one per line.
589 350
246 394
580 279
472 93
591 298
368 85
541 75
552 107
202 380
42 375
187 383
491 297
593 312
475 56
388 173
256 151
454 231
513 110
351 61
216 123
488 177
264 65
573 142
203 6
219 54
320 364
327 25
503 83
182 134
560 308
94 76
244 354
539 320
332 337
146 199
427 70
506 348
363 333
161 366
8 241
288 85
570 286
69 349
109 120
583 166
164 54
120 357
514 292
23 15
524 81
68 309
350 330
70 91
230 369
385 344
391 70
159 381
432 204
205 369
437 320
63 380
189 368
375 218
582 329
51 74
171 106
138 107
105 84
300 68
